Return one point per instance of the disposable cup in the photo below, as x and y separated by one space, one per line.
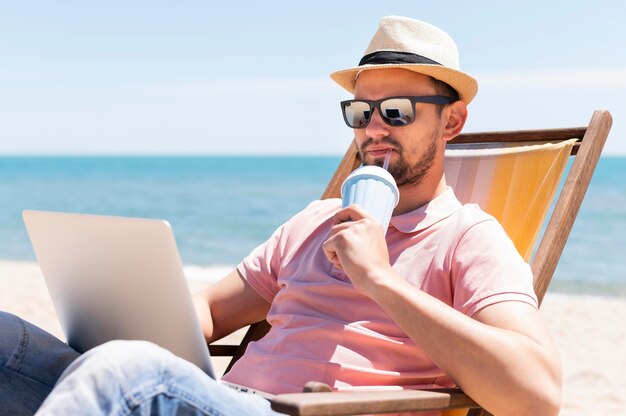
374 189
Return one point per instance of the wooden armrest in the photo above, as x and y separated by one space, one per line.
367 402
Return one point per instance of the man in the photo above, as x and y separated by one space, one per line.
442 299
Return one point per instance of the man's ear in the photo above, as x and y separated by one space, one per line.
453 119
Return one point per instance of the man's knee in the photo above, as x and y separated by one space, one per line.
11 336
31 361
128 353
32 351
9 323
138 364
126 359
7 318
129 374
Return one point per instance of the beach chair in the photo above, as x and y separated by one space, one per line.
513 175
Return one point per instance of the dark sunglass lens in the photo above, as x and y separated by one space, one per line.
397 111
393 113
357 114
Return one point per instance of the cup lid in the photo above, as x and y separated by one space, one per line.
374 172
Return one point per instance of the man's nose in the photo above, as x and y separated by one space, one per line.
376 127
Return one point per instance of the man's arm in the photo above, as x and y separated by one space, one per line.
228 305
502 357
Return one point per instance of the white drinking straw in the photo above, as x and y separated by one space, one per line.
387 157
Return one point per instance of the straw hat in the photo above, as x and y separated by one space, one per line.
406 43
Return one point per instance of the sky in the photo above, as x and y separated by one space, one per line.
251 77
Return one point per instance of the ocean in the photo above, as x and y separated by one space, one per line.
221 208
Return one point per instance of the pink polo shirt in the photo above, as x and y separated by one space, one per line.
324 330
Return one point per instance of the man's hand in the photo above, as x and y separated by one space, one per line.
357 246
505 343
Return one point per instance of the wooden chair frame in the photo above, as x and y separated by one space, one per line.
586 153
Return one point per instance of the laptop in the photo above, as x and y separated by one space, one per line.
118 278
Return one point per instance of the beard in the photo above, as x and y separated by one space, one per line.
405 173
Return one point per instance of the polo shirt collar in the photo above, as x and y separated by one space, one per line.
423 217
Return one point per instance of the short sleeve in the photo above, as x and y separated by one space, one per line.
262 266
487 269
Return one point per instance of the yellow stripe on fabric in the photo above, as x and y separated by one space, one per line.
513 182
538 203
501 187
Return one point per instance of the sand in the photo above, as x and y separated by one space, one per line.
589 332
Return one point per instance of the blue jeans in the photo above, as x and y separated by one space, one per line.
116 378
31 361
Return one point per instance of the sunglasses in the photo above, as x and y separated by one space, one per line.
395 111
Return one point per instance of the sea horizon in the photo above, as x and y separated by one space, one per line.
222 206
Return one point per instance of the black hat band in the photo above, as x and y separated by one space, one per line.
391 57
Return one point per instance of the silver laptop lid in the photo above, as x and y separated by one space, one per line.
117 278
